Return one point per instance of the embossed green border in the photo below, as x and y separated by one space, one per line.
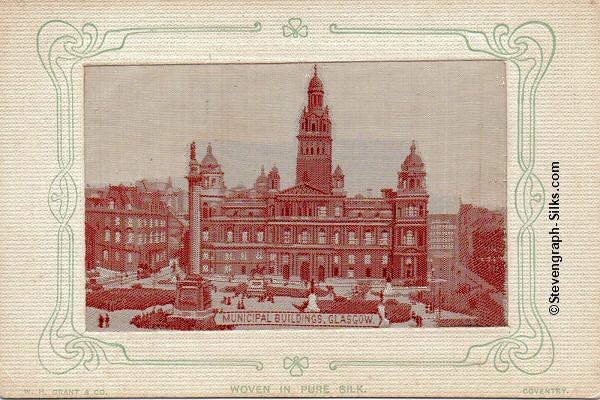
530 48
61 346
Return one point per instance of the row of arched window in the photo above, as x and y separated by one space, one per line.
142 238
305 237
314 150
243 236
413 183
129 256
321 125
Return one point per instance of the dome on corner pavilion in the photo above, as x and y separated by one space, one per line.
209 160
413 159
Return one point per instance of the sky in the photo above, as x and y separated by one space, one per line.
140 119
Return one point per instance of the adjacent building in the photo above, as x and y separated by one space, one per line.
175 198
482 243
311 230
126 229
442 246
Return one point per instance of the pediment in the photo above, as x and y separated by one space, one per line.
303 189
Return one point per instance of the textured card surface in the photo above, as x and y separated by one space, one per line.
274 199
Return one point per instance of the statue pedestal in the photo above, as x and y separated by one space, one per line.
312 304
388 288
384 321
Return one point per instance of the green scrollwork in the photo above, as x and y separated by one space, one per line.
530 48
61 346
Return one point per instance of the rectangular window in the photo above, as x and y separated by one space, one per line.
322 211
336 259
244 255
367 259
304 237
321 237
205 255
244 236
383 240
368 238
338 211
205 236
351 259
384 259
260 236
352 237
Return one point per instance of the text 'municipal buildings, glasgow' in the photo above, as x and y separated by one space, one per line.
312 230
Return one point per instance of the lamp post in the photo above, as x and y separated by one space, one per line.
436 295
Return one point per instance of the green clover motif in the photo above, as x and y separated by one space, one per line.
295 28
295 365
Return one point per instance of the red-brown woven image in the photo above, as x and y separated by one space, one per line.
295 196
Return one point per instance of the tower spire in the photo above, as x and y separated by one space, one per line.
193 151
314 160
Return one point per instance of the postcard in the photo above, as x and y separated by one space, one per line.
281 200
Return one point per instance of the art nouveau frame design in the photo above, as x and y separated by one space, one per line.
529 47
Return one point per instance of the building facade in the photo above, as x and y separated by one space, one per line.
442 247
175 198
176 201
311 230
126 229
481 240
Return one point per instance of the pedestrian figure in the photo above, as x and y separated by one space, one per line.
107 321
100 321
